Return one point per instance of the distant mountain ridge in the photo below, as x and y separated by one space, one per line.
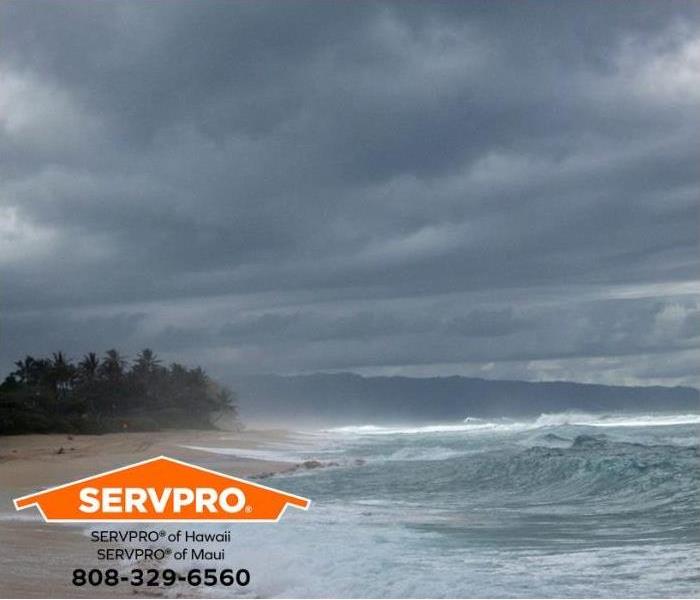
341 398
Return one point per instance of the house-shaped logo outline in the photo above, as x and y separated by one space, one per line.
35 499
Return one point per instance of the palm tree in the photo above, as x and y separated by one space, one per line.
48 394
224 397
146 362
88 366
111 372
225 406
25 369
113 365
33 371
61 367
61 374
87 369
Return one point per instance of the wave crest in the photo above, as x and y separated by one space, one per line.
473 424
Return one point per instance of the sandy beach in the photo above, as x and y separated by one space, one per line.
29 463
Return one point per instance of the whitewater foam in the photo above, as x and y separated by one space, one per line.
273 455
471 424
550 506
446 428
614 420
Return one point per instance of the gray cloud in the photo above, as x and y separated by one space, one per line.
418 186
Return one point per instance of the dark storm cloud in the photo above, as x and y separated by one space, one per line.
397 184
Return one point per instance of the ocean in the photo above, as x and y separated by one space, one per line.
565 505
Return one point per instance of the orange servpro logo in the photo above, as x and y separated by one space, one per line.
161 489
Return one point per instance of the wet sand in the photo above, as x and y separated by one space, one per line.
37 558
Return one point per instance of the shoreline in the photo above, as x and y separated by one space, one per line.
32 462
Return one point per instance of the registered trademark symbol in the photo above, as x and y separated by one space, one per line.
168 551
161 533
249 509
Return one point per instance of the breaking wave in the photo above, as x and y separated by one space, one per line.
615 420
553 506
472 424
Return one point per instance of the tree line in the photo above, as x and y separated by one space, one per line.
100 395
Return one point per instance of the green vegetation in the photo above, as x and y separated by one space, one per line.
54 395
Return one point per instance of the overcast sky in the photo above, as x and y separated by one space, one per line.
499 189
